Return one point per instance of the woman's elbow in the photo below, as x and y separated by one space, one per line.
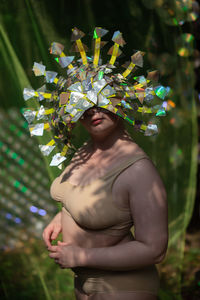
160 251
159 258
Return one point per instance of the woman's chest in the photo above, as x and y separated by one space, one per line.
83 174
95 206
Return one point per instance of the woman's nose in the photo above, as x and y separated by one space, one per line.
92 111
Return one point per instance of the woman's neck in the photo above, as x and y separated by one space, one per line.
110 141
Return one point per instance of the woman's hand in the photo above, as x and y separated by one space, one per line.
52 231
66 255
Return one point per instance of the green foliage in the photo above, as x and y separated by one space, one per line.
30 274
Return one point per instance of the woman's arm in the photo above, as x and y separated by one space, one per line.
148 206
52 231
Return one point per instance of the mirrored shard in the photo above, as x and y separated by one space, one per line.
40 91
92 96
46 150
56 48
152 129
71 71
115 101
102 100
108 91
137 58
83 104
69 108
64 61
100 75
57 160
87 85
37 129
42 88
77 116
64 98
76 34
50 76
29 115
38 69
118 39
153 76
125 104
40 113
161 91
76 87
28 93
141 79
99 85
161 112
148 98
75 97
99 32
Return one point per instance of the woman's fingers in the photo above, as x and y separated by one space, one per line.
50 233
55 233
53 248
54 255
47 237
62 243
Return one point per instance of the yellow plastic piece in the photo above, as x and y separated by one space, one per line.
64 150
129 69
138 86
146 110
46 125
114 54
55 80
82 51
49 111
97 51
45 95
143 127
51 143
70 66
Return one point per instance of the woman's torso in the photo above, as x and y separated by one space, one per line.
95 202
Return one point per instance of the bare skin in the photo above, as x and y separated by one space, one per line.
138 188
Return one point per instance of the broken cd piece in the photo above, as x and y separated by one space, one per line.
57 160
28 93
151 130
38 69
37 129
46 150
29 115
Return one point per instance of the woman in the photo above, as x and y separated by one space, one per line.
109 185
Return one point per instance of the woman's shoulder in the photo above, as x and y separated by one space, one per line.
82 152
132 149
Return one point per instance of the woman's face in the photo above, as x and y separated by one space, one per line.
99 121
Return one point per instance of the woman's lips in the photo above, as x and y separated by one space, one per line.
96 121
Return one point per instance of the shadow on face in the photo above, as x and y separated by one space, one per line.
97 120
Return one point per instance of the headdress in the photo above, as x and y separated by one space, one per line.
88 82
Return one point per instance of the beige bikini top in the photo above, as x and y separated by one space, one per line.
92 206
